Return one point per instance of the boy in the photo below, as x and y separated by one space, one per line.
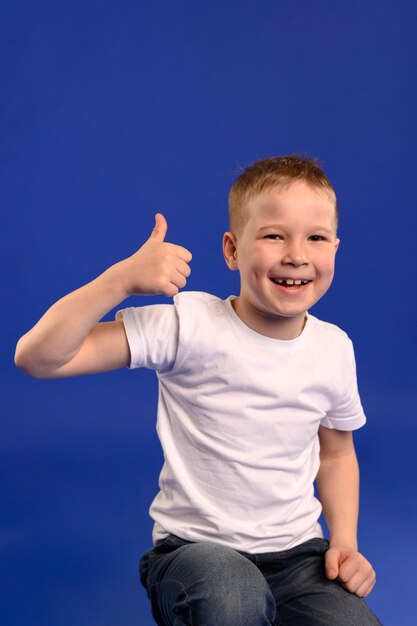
257 399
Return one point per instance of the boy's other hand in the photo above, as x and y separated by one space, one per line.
351 568
157 267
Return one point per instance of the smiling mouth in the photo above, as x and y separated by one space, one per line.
289 283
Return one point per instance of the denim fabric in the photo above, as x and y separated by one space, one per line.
206 584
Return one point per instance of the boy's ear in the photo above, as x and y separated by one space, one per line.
337 244
230 251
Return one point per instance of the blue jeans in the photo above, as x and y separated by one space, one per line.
207 584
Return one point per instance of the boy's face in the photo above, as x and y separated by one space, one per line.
289 236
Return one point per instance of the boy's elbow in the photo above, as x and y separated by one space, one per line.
22 365
25 364
18 356
31 371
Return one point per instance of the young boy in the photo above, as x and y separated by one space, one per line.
257 400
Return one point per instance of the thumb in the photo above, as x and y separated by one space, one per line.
332 563
160 229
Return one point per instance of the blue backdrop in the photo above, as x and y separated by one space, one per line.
111 112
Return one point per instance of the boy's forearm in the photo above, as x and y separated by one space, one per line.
58 335
338 487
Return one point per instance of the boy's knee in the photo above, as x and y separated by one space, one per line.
228 589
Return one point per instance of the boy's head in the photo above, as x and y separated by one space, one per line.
274 172
283 241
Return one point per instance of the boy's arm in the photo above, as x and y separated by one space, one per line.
338 487
69 340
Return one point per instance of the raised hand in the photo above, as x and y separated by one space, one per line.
158 267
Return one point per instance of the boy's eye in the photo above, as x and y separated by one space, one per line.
272 236
317 238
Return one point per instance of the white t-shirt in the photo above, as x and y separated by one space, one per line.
238 419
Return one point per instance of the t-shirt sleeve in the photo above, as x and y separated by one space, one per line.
346 412
152 333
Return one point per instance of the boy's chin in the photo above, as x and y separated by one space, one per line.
282 315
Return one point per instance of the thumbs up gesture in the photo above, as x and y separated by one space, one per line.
158 267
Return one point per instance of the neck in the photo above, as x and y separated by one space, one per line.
283 328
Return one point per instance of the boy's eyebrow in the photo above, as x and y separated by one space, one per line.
318 227
283 227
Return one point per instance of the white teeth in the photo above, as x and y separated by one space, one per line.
290 281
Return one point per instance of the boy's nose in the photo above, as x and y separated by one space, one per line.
295 256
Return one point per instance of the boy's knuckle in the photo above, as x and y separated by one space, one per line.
165 273
161 284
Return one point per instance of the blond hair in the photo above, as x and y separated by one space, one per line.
272 172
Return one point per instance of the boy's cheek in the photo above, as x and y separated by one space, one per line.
328 265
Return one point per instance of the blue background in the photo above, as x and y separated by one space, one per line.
111 112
